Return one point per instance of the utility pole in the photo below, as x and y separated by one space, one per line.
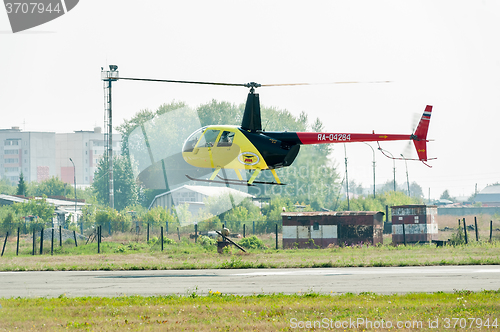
407 180
74 178
108 77
373 168
393 166
346 180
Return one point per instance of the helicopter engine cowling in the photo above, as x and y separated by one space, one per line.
275 152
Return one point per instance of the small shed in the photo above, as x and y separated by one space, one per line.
321 229
419 222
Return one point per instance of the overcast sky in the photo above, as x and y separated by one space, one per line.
441 53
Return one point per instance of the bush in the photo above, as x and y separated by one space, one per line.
457 238
252 242
206 241
167 240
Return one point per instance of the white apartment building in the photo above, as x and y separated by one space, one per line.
32 153
86 149
42 155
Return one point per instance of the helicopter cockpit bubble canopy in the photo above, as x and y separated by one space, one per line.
191 141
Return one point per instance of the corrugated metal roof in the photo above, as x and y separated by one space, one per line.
493 189
331 213
210 191
13 199
51 201
413 206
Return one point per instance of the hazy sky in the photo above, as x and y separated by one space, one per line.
442 53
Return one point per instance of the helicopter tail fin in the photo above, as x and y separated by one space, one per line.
420 135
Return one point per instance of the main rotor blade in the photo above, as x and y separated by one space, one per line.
174 81
327 83
247 85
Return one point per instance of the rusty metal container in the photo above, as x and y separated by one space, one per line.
321 229
420 224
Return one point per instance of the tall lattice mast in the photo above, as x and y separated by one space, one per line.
108 77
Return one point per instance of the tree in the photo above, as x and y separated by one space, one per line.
51 187
42 212
445 195
125 188
388 186
6 187
113 220
21 186
416 190
9 219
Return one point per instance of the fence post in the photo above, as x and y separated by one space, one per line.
465 233
166 227
98 239
491 229
74 235
404 235
34 240
52 243
244 228
5 242
195 233
178 234
475 226
148 232
41 242
276 236
17 248
254 228
459 226
161 237
60 236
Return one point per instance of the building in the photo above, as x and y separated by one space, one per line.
489 196
30 153
86 149
414 223
195 197
323 229
42 155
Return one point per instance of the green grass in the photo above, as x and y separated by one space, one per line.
187 255
127 252
278 312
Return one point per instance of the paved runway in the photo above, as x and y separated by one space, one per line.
386 280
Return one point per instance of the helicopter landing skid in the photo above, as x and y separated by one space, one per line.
259 182
225 181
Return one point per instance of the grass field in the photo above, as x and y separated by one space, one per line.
462 310
124 253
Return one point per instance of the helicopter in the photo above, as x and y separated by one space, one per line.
250 148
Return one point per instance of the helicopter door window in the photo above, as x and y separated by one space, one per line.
226 138
208 138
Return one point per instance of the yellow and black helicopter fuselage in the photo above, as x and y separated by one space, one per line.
232 147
